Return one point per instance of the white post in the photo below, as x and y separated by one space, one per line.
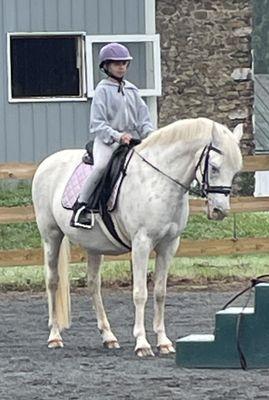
150 27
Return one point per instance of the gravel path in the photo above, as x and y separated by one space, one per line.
85 370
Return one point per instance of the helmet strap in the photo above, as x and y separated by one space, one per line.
120 80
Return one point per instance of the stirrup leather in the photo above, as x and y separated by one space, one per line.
78 224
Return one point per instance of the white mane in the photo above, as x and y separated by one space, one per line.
188 130
185 129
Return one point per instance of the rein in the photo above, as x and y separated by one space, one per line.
205 187
253 283
188 189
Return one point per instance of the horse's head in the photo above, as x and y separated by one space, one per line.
222 159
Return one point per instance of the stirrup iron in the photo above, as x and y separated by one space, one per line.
78 224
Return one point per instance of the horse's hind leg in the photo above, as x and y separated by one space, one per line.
58 296
165 252
94 283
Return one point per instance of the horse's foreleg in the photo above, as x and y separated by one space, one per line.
165 252
141 247
94 283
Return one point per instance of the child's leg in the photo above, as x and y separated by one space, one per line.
101 154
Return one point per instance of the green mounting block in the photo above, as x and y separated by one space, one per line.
220 350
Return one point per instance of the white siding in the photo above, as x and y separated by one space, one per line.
261 113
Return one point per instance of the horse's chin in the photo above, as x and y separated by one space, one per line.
216 214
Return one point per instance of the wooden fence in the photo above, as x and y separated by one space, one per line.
187 248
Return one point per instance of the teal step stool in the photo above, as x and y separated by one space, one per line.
220 350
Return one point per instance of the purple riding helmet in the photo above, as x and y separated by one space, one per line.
113 52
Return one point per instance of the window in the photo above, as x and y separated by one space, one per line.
46 67
144 70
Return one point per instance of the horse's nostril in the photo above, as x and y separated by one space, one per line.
219 214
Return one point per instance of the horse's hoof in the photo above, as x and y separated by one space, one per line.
112 344
166 349
144 352
55 344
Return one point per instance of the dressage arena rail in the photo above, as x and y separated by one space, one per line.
188 247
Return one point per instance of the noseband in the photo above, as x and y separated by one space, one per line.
205 187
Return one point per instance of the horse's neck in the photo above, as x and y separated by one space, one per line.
177 159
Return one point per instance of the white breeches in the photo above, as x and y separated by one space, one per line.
101 155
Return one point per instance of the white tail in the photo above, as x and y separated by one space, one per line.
62 300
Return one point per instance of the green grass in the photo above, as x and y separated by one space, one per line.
187 271
26 235
15 196
202 269
19 236
247 225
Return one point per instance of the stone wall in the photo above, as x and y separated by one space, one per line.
206 62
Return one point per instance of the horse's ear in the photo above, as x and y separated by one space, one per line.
215 135
238 132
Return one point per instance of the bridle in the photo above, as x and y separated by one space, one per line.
204 186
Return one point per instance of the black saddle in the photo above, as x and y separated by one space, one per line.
115 167
98 200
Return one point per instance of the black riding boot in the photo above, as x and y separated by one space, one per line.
82 217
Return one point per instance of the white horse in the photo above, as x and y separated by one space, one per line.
151 214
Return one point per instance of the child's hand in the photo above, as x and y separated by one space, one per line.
125 139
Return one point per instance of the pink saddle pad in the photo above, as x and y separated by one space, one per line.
75 184
77 180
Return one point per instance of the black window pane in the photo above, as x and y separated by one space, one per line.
44 66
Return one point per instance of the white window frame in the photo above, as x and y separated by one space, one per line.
154 39
48 99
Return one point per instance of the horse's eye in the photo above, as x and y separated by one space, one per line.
214 170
